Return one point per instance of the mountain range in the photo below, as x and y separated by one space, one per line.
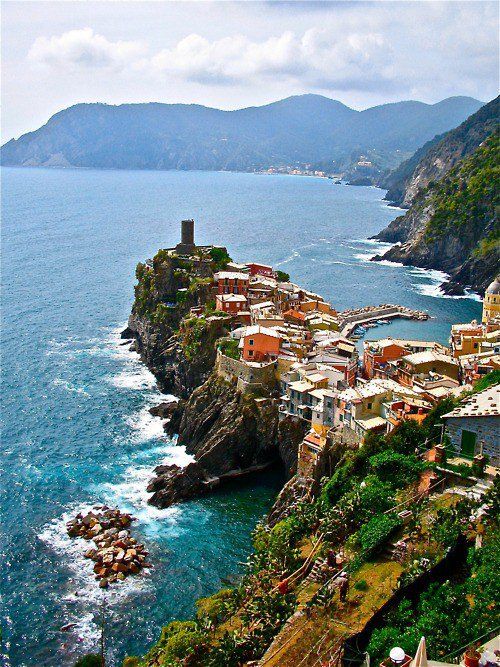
297 131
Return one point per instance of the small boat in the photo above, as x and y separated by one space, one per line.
382 321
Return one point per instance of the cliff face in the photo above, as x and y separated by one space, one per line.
453 225
225 431
166 352
180 352
438 156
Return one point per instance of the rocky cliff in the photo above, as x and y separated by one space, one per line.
437 157
227 432
179 351
452 224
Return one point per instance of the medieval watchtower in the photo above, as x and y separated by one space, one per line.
186 246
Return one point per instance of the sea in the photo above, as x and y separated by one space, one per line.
76 427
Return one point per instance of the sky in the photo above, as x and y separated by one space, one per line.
235 54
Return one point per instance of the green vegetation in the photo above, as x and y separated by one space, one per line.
90 660
283 276
192 331
465 199
487 381
449 614
374 535
178 640
229 347
356 511
220 258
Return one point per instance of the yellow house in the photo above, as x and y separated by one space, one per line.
491 302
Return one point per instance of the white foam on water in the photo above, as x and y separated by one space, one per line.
290 258
130 492
383 245
83 609
145 426
433 288
69 386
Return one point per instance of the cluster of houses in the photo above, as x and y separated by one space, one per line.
295 347
323 382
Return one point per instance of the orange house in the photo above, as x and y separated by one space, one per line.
260 344
230 303
377 354
232 282
295 317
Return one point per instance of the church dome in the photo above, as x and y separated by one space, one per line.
494 287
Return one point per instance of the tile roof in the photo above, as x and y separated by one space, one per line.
484 404
428 356
257 329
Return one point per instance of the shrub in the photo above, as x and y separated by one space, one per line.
374 497
131 661
283 276
397 469
229 347
487 381
220 257
90 660
374 535
361 585
215 607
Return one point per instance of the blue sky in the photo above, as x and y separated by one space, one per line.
234 54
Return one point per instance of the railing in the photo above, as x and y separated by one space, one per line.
455 656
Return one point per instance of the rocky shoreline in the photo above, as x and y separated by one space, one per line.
116 554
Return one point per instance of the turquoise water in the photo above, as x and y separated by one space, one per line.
76 429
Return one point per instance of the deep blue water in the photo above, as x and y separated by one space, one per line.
76 429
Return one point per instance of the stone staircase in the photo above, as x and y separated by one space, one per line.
475 492
319 572
480 488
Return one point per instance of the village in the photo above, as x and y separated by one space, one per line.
288 343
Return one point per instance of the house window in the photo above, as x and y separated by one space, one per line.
370 406
250 353
250 342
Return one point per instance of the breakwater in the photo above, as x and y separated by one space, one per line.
352 318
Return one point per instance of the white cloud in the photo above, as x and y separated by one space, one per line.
83 49
362 52
317 57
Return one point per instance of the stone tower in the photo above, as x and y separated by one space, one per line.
186 246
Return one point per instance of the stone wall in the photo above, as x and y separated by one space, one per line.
487 430
246 377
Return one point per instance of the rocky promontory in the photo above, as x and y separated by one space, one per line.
227 432
452 226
